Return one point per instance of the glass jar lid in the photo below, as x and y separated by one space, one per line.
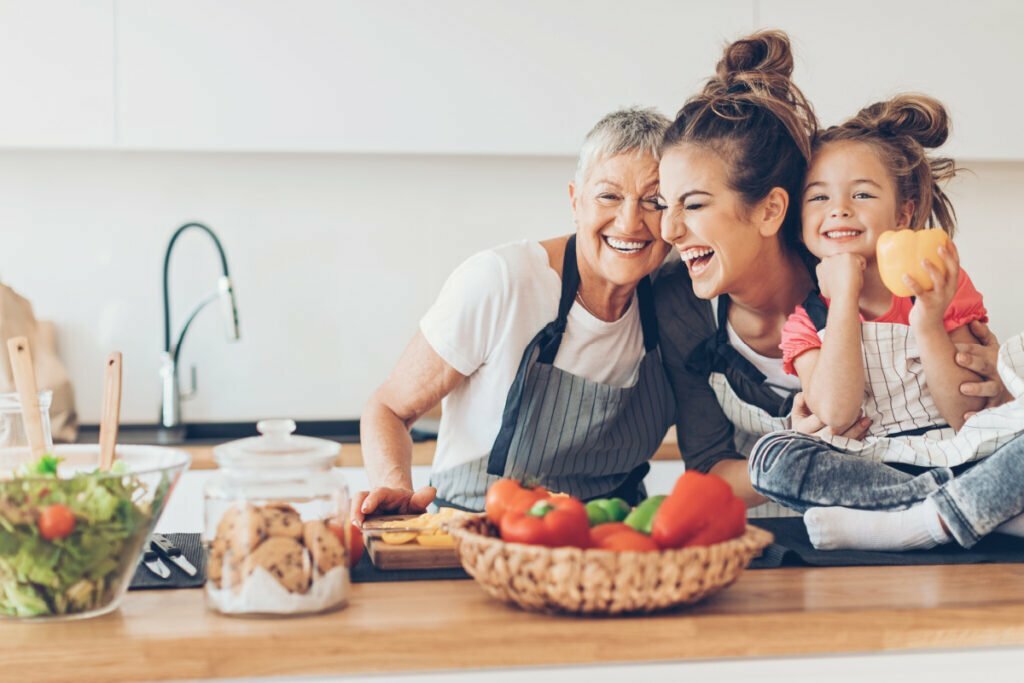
276 448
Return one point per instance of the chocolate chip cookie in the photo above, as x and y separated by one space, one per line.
282 519
285 559
243 527
328 552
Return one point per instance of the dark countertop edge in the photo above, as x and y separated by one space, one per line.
200 433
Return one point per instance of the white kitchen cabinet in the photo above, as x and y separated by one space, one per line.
967 54
444 76
465 77
57 73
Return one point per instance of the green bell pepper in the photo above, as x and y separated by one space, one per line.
642 515
605 510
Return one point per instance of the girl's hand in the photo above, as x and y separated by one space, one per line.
841 275
982 358
930 307
806 422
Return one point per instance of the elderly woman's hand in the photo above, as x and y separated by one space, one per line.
391 501
806 422
982 359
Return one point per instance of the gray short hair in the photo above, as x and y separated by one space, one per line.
626 130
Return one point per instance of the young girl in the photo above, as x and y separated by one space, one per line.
862 350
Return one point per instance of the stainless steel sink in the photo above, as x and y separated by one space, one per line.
342 431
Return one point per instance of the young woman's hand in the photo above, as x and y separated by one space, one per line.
982 358
841 275
930 307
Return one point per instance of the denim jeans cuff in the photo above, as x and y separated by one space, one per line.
954 520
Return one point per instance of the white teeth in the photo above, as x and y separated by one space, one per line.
623 245
695 253
836 234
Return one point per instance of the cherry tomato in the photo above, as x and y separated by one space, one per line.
56 521
354 545
356 551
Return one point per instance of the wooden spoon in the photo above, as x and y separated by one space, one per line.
111 410
25 382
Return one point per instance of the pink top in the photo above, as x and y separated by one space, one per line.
799 335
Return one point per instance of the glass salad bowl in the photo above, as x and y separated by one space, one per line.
70 535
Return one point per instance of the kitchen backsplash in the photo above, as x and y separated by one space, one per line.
333 257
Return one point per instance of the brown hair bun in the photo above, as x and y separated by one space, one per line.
755 72
901 130
763 60
920 117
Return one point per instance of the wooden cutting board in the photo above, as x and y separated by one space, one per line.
410 555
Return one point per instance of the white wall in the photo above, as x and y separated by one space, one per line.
394 76
334 259
336 255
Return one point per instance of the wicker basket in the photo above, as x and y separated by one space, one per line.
576 581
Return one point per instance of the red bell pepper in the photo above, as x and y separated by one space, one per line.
730 523
509 494
553 522
696 502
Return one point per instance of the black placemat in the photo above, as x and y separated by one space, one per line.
365 572
192 547
792 548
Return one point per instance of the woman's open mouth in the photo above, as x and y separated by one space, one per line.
697 259
626 246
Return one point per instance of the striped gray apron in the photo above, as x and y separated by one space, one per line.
565 432
717 359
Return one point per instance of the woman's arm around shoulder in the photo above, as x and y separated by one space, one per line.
980 355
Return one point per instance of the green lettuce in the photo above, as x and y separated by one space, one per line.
83 570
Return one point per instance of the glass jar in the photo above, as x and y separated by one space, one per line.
13 441
276 525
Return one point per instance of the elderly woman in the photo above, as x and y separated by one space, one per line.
545 354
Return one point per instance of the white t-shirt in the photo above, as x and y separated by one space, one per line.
775 376
486 314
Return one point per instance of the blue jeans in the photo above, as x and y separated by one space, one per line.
802 471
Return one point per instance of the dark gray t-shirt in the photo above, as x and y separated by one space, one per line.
685 322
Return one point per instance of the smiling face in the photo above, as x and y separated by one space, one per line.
707 221
849 200
616 214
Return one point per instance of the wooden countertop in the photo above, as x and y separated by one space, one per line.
424 626
422 454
